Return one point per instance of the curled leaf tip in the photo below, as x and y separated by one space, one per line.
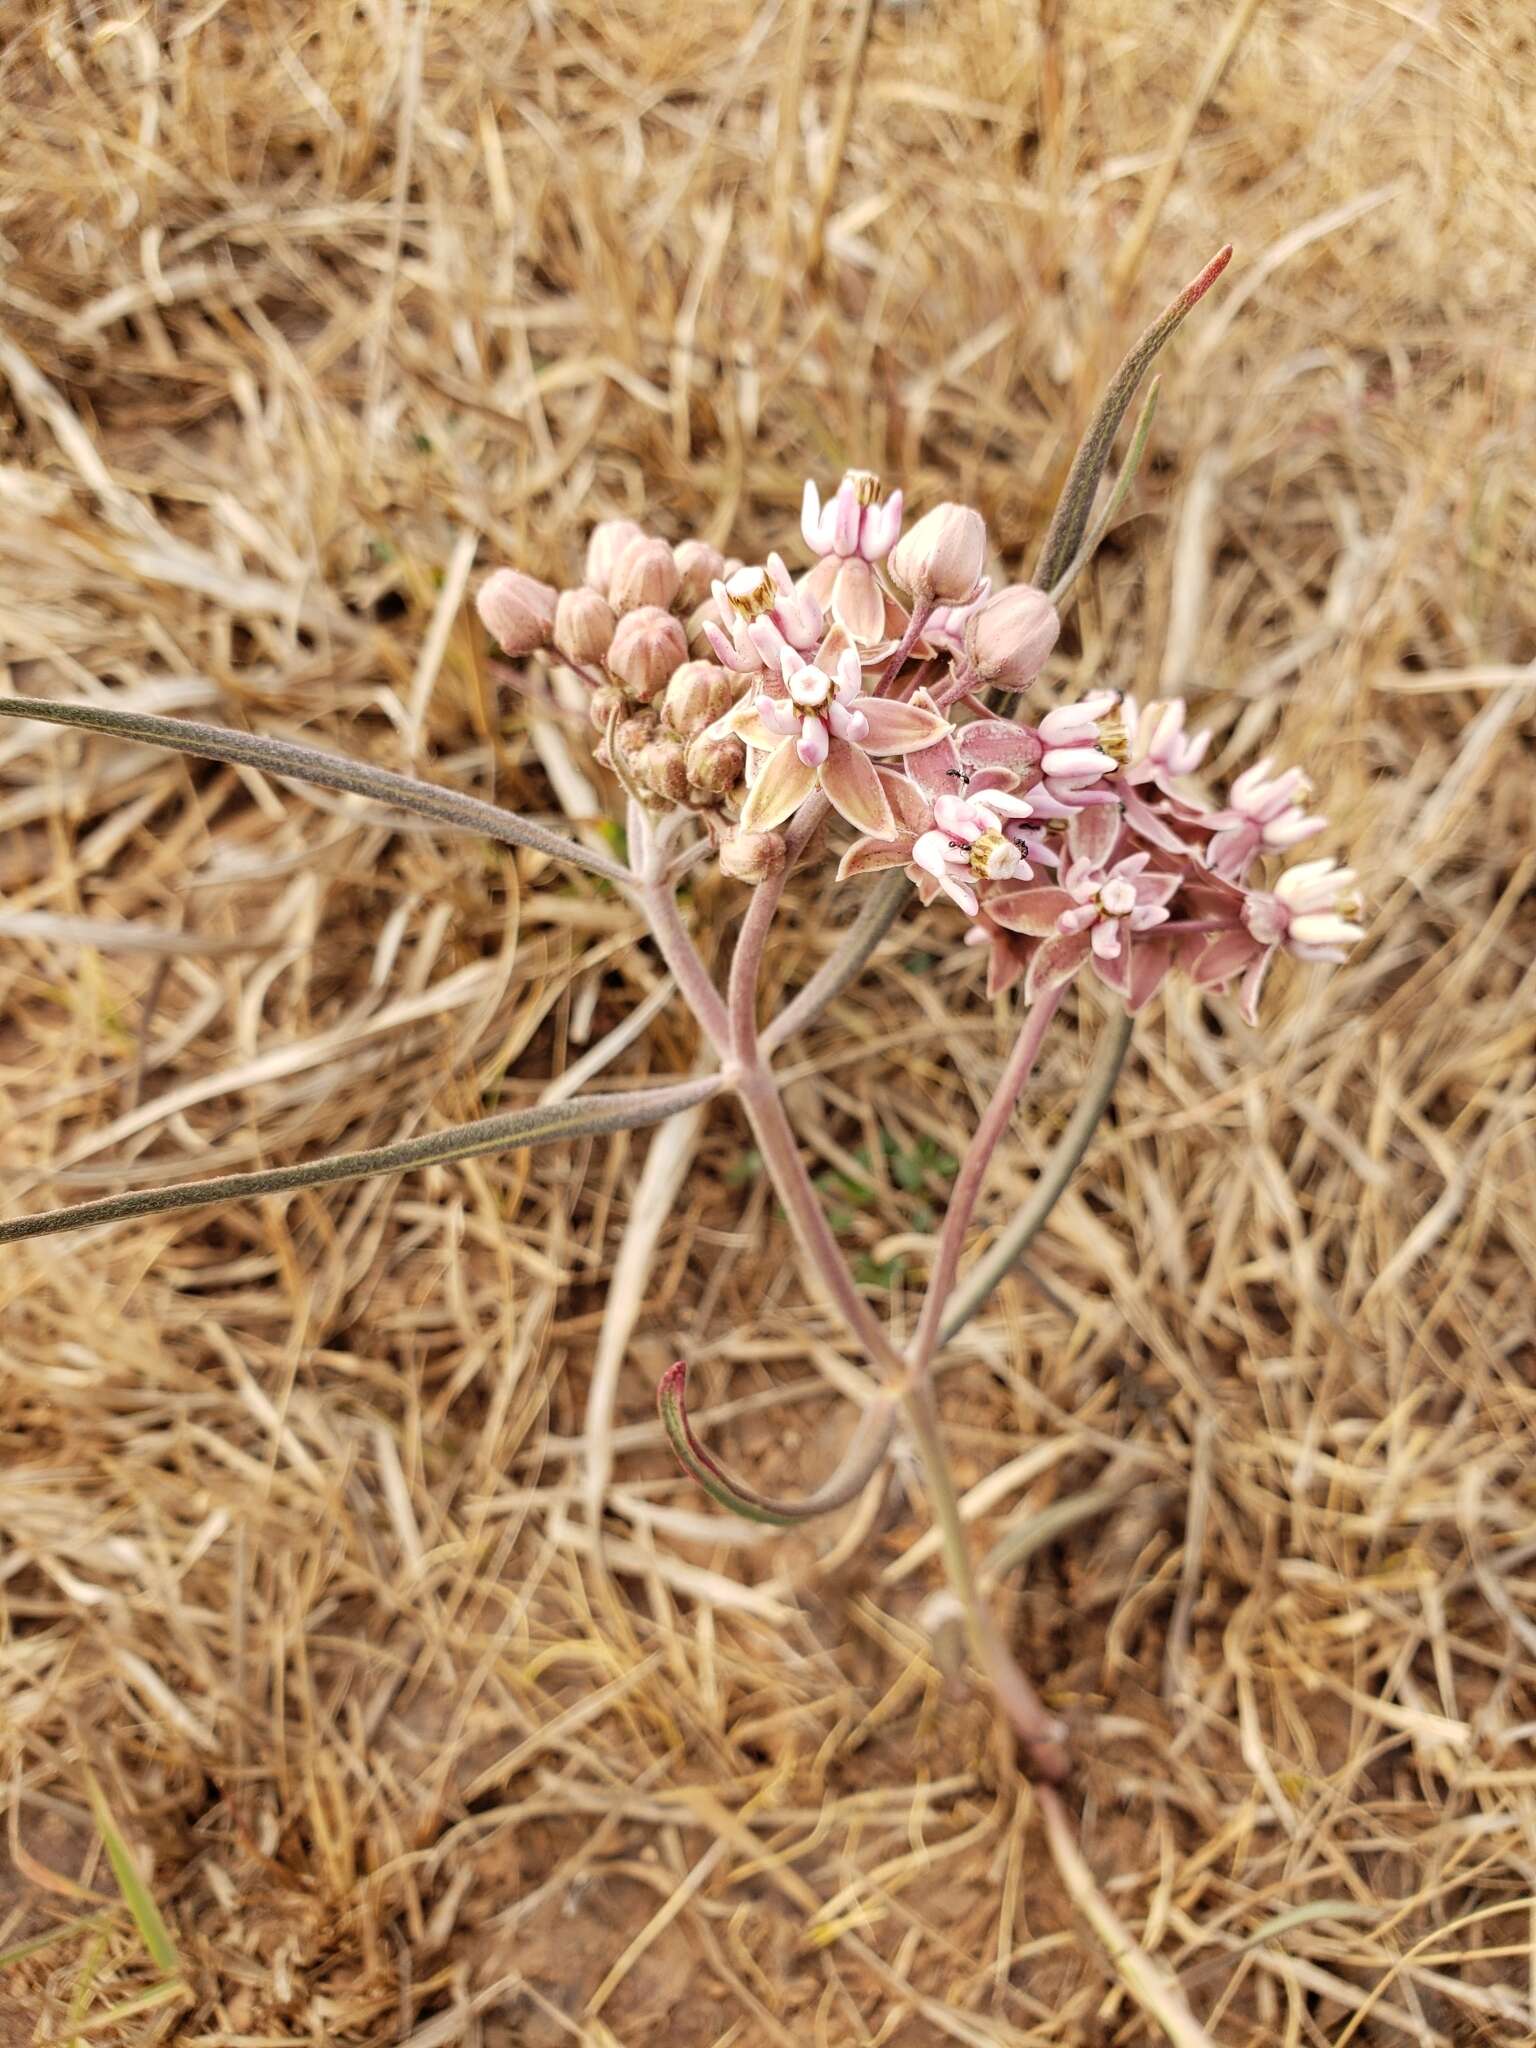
865 1454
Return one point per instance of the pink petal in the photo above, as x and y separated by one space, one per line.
1008 961
821 579
1093 835
906 799
932 852
936 769
832 648
900 728
813 743
858 601
766 639
1083 762
1035 912
783 786
997 743
810 518
724 650
1056 962
1114 969
1253 984
1150 961
868 856
853 788
1221 957
1143 819
879 528
846 512
749 724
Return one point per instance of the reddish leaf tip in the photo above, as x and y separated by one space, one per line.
1208 276
672 1382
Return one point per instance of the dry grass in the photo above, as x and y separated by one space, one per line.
302 310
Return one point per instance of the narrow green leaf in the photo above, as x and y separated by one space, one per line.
1117 496
153 1932
581 1117
326 771
1070 520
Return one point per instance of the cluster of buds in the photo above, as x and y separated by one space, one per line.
758 699
633 631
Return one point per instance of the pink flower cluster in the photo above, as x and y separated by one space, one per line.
748 696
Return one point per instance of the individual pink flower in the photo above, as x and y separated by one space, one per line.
854 529
1156 752
768 617
969 843
1310 913
1073 762
820 728
1104 903
1261 817
983 764
1158 749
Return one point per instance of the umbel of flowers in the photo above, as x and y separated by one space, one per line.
759 699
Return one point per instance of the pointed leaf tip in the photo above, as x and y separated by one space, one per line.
1193 293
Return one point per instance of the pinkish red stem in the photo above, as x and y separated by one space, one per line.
733 1028
973 1171
921 607
653 889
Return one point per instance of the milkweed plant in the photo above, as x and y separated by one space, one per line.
862 712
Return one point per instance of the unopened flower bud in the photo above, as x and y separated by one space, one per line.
753 856
648 645
644 574
708 613
698 566
941 557
635 733
698 694
716 762
1009 638
608 540
584 624
603 702
661 766
517 611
